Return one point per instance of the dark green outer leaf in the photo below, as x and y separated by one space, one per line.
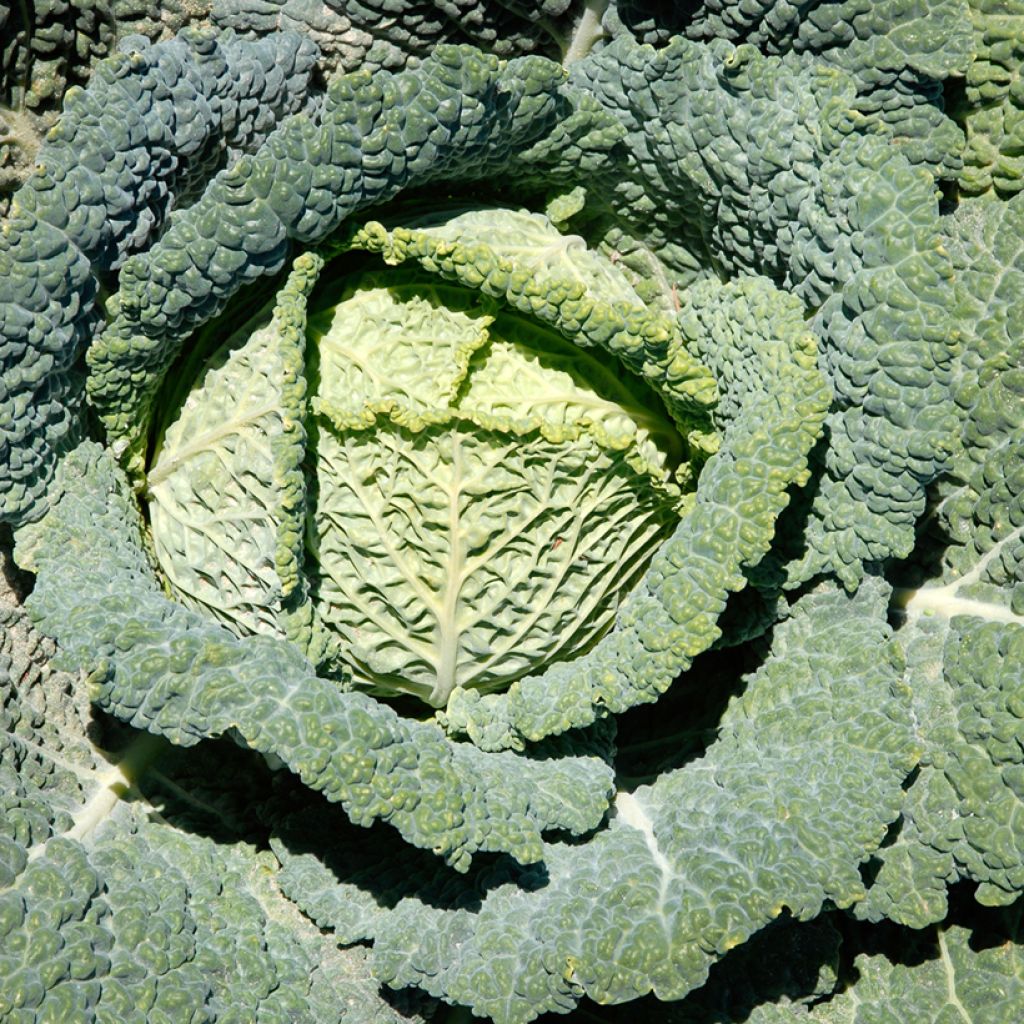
688 867
103 183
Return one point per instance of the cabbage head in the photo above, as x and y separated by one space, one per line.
479 493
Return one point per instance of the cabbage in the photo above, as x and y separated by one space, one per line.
481 493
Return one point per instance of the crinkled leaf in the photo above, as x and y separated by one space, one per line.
689 866
225 489
166 668
770 419
112 911
962 622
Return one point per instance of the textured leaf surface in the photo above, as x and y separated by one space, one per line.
773 420
899 53
458 115
487 493
47 48
110 911
962 622
103 183
671 617
391 33
963 977
160 666
688 867
523 260
393 344
925 35
788 962
886 320
225 490
766 221
506 569
734 163
991 108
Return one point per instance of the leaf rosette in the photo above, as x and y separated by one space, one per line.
483 474
471 463
420 514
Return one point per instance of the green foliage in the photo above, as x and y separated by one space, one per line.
425 407
111 911
900 54
172 671
102 187
673 617
639 894
961 611
390 33
518 509
948 979
734 162
48 47
991 107
460 107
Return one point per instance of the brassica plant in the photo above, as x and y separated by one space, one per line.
512 510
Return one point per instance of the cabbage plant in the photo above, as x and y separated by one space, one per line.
512 510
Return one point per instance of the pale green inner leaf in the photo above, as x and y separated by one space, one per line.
459 556
535 247
465 536
402 345
214 492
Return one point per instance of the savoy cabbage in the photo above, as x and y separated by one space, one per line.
512 509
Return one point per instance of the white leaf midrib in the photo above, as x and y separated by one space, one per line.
109 786
947 601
